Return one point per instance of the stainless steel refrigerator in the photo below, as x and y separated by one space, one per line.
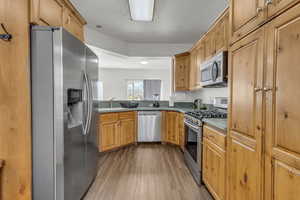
64 145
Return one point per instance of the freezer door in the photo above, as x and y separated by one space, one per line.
92 67
74 115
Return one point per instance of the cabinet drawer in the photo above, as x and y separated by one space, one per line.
126 115
214 136
109 117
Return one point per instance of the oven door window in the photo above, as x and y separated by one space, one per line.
191 142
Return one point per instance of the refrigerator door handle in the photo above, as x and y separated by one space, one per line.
85 84
90 104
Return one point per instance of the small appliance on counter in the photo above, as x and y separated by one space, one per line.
221 102
156 100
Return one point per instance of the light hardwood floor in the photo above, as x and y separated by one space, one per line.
147 172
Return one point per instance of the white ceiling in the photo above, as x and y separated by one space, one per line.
175 21
113 60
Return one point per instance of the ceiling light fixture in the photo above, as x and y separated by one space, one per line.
141 10
144 62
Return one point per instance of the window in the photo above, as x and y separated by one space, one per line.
97 87
135 89
143 89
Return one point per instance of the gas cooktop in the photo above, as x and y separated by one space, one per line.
207 114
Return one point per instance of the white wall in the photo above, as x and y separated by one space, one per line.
95 38
114 81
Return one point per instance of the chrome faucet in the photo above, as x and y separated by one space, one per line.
111 101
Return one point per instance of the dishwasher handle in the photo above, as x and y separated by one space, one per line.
147 113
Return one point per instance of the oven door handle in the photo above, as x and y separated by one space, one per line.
195 128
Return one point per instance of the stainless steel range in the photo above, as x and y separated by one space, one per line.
193 145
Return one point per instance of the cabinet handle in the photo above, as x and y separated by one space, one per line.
259 9
257 89
269 2
267 89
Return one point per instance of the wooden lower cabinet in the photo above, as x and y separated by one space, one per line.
109 136
214 162
214 169
173 128
127 131
116 130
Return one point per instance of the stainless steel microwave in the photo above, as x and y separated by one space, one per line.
213 73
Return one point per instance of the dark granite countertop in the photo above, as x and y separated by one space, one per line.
110 110
216 122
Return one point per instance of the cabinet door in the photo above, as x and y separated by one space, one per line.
182 73
209 45
172 129
221 34
108 136
127 132
72 24
245 16
282 106
276 6
245 138
15 103
286 181
47 12
200 60
193 70
214 169
181 133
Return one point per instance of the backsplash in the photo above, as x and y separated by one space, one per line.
206 94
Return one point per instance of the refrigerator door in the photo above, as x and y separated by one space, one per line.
75 116
92 136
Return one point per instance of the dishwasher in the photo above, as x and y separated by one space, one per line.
149 126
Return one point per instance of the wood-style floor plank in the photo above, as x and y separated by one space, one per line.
147 172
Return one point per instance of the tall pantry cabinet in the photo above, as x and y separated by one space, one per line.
282 94
264 113
245 134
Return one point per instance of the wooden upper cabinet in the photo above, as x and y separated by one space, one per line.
58 13
72 24
193 70
245 137
221 34
47 12
282 106
209 45
181 72
274 7
245 16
